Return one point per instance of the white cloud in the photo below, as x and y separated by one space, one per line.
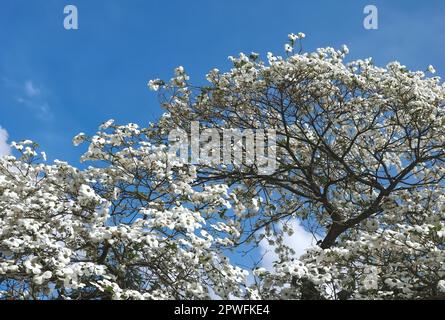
299 241
4 146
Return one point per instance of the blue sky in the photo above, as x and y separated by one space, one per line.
55 83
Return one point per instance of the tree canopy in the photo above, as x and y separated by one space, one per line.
359 153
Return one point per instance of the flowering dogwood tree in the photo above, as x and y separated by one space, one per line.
127 228
360 158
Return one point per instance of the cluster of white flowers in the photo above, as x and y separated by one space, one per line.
360 152
295 37
71 234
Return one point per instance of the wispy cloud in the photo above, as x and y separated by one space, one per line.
299 241
31 90
4 146
34 97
